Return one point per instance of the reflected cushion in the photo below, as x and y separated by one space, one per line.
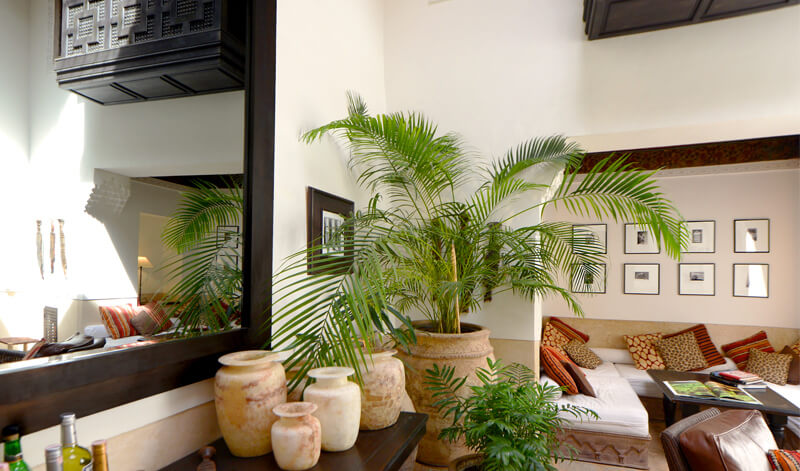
117 320
582 355
710 352
554 368
772 367
795 347
794 366
739 351
784 460
644 353
681 353
151 319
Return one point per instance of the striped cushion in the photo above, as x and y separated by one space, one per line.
784 460
710 352
150 319
551 362
570 332
739 351
35 349
117 320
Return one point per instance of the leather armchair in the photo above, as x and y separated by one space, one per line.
711 440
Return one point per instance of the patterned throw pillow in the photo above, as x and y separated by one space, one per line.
772 367
584 386
117 320
710 352
796 347
555 370
582 355
794 366
784 460
552 337
150 319
681 353
740 350
569 331
644 353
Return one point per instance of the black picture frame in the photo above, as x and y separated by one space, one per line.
223 235
605 237
713 237
317 202
735 279
736 248
572 283
625 288
627 250
681 279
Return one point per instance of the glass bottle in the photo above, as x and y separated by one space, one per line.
13 450
53 458
76 458
99 457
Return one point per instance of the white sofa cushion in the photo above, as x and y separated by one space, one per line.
614 355
640 381
605 369
619 409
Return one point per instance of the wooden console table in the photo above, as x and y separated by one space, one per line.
381 450
12 341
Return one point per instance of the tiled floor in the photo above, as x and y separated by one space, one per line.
655 459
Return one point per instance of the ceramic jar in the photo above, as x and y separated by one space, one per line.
296 436
246 388
338 406
382 394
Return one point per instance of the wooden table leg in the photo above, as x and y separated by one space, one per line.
669 411
776 424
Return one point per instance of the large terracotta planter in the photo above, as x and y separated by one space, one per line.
466 352
382 394
296 436
338 406
246 388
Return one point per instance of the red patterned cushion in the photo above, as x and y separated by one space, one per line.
150 319
710 352
570 332
551 362
117 320
739 351
784 460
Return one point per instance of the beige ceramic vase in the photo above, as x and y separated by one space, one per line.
466 352
296 436
338 406
246 388
382 394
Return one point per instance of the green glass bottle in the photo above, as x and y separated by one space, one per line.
13 450
76 458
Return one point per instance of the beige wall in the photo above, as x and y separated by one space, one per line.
773 194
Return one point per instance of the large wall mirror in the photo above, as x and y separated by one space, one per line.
95 199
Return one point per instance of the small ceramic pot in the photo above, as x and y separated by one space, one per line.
338 406
384 387
466 463
246 388
296 436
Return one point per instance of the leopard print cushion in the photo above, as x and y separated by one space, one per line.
552 337
772 367
582 355
681 353
644 353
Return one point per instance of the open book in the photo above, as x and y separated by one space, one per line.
710 390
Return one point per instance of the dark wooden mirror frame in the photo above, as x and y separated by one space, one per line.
34 396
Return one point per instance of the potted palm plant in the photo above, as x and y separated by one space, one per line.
439 236
510 421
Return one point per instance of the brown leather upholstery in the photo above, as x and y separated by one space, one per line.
669 439
735 440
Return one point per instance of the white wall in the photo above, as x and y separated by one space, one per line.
504 72
772 194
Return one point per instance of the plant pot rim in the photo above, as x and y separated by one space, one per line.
331 372
475 330
466 461
249 358
291 410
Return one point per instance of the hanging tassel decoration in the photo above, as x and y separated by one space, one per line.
63 246
52 248
39 247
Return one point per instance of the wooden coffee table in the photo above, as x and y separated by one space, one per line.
12 341
774 406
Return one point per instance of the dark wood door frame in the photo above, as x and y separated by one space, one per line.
34 395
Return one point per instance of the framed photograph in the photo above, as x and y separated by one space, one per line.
642 278
751 280
331 241
696 279
640 239
702 236
589 278
228 235
589 238
751 235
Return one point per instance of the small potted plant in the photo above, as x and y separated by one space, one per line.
510 421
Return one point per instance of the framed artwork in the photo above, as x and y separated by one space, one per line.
642 278
696 279
326 233
751 235
640 239
589 238
225 234
702 236
589 278
751 280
